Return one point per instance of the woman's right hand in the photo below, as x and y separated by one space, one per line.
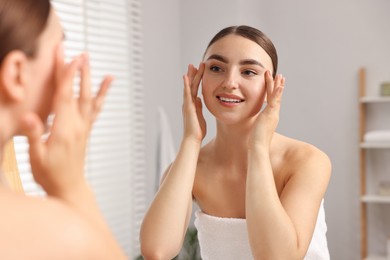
58 163
194 122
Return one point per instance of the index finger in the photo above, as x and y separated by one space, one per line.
276 96
196 81
85 79
64 83
269 84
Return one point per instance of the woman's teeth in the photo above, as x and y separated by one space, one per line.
230 100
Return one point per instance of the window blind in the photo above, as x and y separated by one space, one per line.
111 32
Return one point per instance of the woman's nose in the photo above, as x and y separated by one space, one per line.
230 82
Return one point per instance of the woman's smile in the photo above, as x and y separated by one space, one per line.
229 100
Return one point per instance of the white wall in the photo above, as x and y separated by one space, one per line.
321 46
162 78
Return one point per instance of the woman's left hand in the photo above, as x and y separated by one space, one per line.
268 119
58 163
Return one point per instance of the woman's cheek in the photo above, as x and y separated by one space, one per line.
261 86
259 93
206 84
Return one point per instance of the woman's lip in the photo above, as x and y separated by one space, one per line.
229 98
226 95
229 102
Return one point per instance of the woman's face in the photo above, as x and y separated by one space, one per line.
40 69
233 84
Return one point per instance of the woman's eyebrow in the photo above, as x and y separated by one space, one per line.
242 62
218 57
251 62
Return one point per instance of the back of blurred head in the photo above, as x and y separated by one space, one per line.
21 23
27 28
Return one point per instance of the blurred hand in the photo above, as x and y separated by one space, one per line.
58 163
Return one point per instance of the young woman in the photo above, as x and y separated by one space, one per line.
260 193
35 82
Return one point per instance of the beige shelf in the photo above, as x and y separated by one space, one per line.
375 199
375 99
376 258
365 101
375 145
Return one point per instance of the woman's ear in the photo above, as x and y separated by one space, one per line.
13 75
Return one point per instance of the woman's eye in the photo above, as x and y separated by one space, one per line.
215 68
249 72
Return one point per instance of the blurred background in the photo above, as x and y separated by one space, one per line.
147 46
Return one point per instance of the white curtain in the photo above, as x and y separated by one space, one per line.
110 30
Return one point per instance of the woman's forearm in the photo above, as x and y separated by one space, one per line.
271 232
165 223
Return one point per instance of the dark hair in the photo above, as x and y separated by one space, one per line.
254 35
21 23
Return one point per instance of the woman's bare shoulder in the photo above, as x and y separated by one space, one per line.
300 154
44 229
305 167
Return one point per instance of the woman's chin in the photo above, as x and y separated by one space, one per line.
229 120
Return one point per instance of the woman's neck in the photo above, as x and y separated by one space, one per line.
4 182
6 131
4 139
2 177
231 142
2 147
